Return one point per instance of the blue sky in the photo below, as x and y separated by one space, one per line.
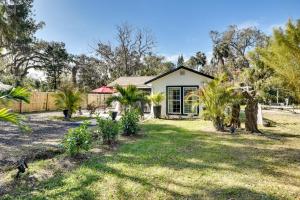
179 27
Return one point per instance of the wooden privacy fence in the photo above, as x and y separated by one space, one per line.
44 101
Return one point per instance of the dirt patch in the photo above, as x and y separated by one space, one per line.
42 142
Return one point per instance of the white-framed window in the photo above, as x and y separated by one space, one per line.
188 103
174 100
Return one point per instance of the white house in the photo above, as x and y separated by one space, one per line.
175 84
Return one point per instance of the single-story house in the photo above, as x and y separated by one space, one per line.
175 84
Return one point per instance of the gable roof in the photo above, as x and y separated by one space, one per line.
138 81
176 69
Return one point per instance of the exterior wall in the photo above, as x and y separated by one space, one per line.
181 77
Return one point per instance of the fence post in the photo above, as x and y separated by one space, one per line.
20 106
47 101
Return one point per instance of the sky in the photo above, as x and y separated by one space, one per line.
178 26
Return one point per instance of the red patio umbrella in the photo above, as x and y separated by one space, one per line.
104 90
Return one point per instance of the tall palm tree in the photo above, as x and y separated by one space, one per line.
13 94
215 97
129 97
68 99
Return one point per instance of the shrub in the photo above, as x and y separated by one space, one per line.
109 130
77 139
129 122
92 107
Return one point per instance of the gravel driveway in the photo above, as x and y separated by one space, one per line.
45 136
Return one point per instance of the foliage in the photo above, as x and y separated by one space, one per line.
156 98
283 56
125 59
180 61
109 130
68 98
92 107
197 61
77 139
215 97
18 27
88 72
231 46
56 63
129 97
154 65
129 122
13 94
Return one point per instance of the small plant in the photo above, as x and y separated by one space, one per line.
92 107
78 139
109 130
156 99
129 122
68 99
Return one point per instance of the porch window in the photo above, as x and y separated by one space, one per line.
188 103
174 100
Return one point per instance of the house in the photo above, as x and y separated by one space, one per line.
175 84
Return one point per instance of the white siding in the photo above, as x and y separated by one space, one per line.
180 77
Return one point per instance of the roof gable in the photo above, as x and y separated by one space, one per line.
176 69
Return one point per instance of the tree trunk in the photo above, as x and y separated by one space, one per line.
219 124
235 116
251 113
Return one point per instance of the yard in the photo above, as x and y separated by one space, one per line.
182 159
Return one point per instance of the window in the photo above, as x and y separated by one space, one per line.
188 103
174 100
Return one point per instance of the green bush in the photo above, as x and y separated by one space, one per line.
129 122
108 129
78 139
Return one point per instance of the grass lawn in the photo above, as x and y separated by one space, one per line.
180 160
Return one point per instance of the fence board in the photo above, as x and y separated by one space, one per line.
45 101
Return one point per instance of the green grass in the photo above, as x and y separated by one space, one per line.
181 160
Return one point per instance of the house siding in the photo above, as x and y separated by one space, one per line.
180 78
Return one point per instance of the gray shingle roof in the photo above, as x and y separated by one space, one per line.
138 81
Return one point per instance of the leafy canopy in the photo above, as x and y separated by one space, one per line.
283 56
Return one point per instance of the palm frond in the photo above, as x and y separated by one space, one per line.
16 94
6 115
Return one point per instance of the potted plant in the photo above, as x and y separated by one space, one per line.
156 99
113 115
68 99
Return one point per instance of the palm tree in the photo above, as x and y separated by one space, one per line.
129 97
215 97
68 99
13 94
